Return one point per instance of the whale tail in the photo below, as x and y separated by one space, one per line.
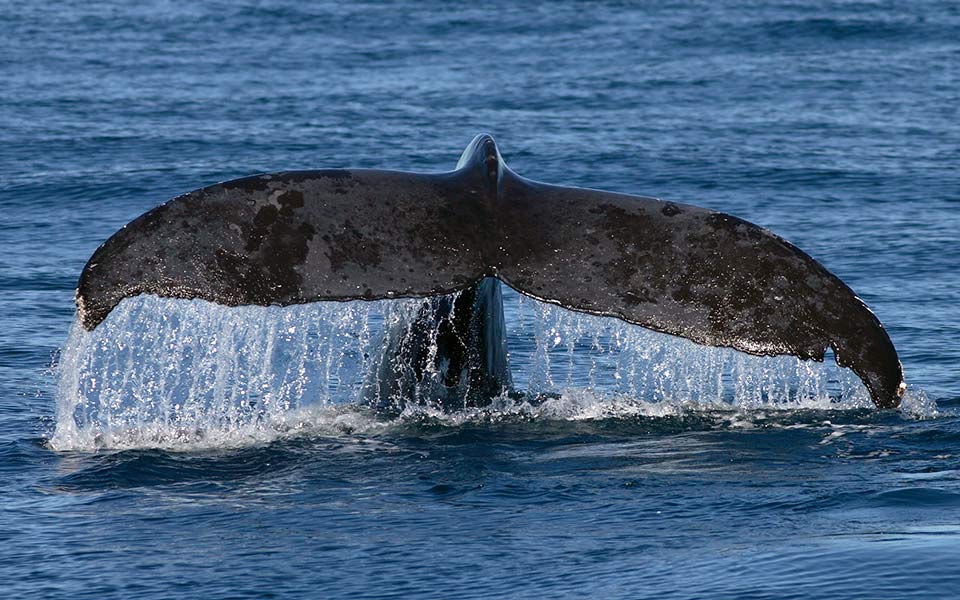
301 236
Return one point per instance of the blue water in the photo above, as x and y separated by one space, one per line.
835 124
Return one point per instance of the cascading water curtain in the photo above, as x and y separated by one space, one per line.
554 350
166 370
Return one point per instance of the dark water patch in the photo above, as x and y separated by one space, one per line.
847 30
915 498
852 29
38 282
19 457
148 468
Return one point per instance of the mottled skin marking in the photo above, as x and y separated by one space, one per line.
301 236
349 246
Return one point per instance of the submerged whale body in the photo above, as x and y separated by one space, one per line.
301 236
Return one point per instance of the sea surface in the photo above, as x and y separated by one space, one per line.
185 450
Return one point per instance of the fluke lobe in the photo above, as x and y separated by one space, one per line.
300 236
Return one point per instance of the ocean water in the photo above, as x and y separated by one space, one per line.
188 450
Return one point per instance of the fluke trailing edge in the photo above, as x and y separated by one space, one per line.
300 236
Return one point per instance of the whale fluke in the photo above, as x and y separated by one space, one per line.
301 236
